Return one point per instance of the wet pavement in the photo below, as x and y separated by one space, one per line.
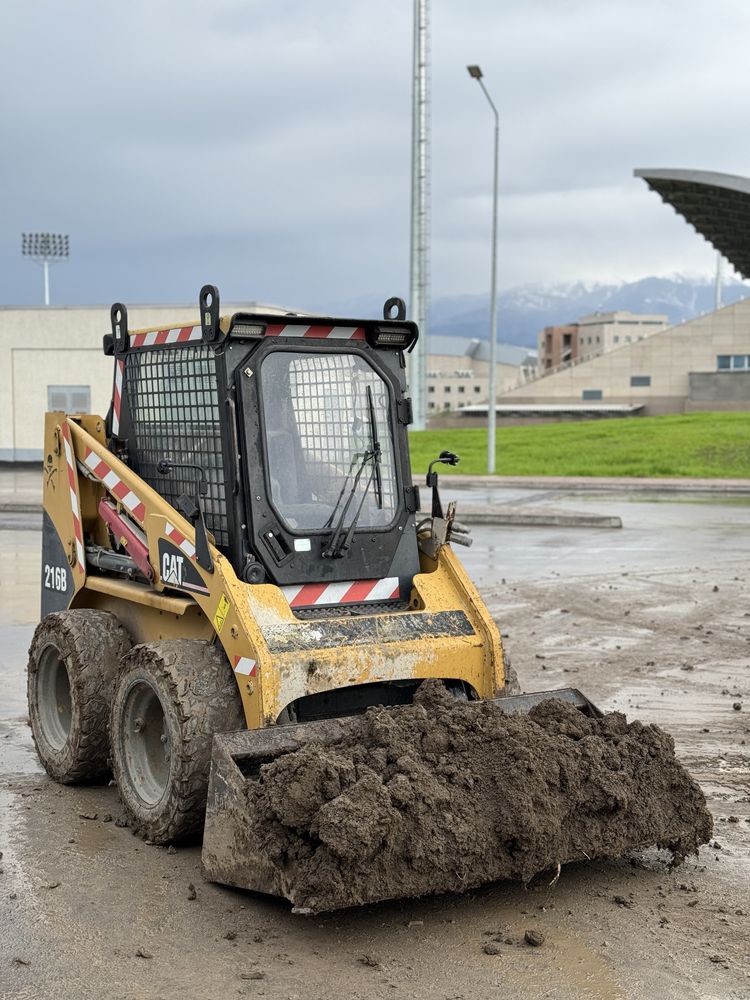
652 619
659 532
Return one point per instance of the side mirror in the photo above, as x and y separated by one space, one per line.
444 458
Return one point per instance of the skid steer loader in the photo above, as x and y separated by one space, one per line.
235 562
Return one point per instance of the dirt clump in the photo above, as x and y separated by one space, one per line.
442 795
534 938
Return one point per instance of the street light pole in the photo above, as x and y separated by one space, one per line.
476 73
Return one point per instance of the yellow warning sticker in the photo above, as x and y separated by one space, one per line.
221 613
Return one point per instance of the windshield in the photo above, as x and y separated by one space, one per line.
318 433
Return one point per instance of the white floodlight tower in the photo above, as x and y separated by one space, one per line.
476 73
45 249
420 207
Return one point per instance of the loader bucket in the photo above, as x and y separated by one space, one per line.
233 852
441 795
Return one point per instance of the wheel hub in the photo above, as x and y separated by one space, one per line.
146 742
53 698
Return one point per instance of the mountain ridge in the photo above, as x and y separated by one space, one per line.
524 310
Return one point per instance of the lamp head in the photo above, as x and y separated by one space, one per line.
475 72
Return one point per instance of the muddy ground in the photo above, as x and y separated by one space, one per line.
82 901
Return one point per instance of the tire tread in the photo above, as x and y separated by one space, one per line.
92 643
204 694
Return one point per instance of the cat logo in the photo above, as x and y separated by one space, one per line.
177 569
171 569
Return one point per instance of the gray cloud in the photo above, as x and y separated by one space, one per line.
265 145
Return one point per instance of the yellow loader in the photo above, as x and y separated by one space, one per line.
238 549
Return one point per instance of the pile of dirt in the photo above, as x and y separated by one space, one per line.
443 796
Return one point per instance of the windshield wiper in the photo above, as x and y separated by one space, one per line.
336 549
340 497
375 445
333 548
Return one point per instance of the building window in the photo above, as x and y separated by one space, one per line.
462 388
430 388
447 406
591 394
733 362
477 388
638 381
616 338
69 398
431 405
447 388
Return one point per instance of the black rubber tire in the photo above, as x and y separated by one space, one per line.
87 645
512 685
198 697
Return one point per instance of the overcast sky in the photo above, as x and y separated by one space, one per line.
264 145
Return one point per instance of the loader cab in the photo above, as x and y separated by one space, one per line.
326 476
296 428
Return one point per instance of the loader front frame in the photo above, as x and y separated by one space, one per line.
278 657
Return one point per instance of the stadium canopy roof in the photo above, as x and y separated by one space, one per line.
716 205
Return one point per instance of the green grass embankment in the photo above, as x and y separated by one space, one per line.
699 445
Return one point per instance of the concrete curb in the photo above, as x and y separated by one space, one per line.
583 484
504 516
524 516
19 507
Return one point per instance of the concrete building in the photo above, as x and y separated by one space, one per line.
458 371
558 345
594 334
703 364
51 358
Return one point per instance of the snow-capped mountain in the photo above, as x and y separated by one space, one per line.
525 309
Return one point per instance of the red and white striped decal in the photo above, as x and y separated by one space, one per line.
117 397
309 595
155 338
71 463
324 332
244 665
115 485
180 541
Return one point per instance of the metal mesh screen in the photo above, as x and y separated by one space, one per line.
318 429
174 407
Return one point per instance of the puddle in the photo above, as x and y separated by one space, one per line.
15 879
92 837
17 752
678 609
585 970
675 708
